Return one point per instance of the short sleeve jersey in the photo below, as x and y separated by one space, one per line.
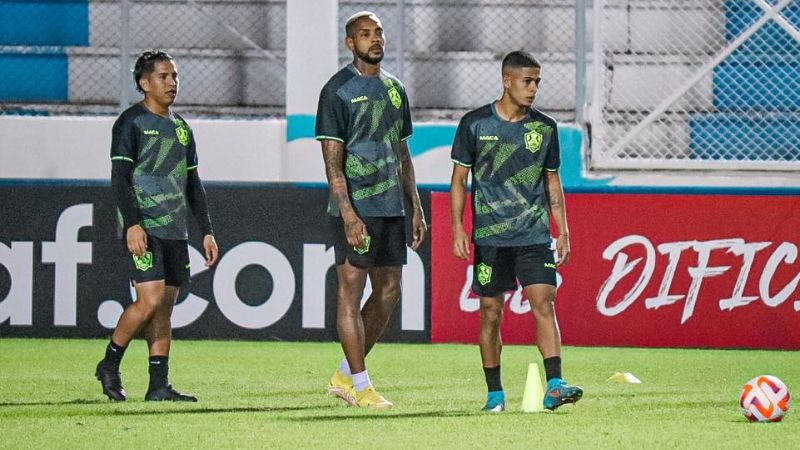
162 151
507 160
371 117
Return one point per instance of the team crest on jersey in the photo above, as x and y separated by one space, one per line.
144 262
484 274
182 131
394 95
533 140
535 137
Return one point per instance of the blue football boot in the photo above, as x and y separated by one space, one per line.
495 402
559 393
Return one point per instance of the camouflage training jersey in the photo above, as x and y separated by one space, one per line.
162 151
371 117
509 204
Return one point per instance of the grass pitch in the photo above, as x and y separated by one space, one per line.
271 395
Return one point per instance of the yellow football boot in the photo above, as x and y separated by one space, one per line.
369 398
341 386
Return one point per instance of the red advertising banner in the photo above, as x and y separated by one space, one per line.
649 270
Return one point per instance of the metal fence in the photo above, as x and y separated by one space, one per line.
231 53
683 84
448 52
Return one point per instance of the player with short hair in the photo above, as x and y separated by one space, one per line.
363 123
512 151
155 182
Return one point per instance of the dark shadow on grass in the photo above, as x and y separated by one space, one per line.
77 401
167 408
243 409
277 392
380 415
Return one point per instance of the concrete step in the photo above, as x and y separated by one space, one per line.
497 26
471 79
208 77
650 27
191 25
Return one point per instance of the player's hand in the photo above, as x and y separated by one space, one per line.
137 240
460 243
212 251
562 247
355 230
419 227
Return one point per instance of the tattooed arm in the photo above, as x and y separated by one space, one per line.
558 210
333 154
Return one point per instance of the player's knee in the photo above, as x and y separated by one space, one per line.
390 292
491 313
348 309
543 307
165 308
147 308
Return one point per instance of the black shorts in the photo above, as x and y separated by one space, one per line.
165 259
497 269
386 245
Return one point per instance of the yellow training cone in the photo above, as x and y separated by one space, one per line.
624 378
534 394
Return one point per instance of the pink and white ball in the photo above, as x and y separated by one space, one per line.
765 399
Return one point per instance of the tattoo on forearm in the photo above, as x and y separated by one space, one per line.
555 195
556 200
333 155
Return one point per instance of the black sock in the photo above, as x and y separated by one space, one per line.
493 382
114 354
159 372
552 367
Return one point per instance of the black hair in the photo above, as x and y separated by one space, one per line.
146 63
519 59
349 26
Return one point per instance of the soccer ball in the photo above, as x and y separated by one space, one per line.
765 399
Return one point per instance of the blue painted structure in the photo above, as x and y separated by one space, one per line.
761 78
38 77
44 22
33 35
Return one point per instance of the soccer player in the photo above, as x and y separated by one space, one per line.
512 151
363 123
154 181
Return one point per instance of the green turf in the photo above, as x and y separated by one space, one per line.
270 395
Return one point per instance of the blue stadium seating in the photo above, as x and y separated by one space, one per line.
734 137
740 14
756 91
757 83
33 35
38 77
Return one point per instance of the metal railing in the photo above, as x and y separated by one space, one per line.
231 53
696 85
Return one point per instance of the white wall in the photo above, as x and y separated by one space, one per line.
79 148
257 151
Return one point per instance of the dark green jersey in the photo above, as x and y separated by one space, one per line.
371 116
509 204
162 151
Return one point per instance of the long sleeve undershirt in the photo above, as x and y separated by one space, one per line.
122 186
